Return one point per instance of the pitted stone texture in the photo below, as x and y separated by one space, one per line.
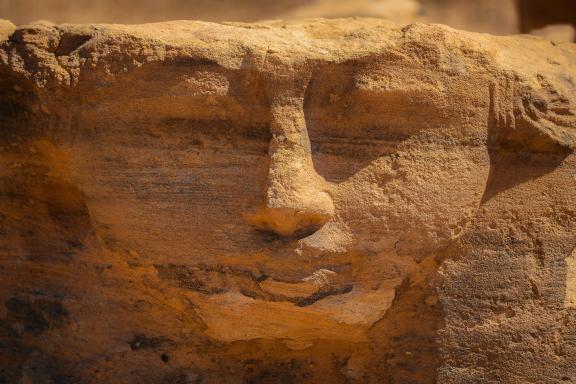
344 201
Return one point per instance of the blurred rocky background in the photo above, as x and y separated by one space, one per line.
553 18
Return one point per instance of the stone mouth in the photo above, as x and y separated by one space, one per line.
321 284
209 280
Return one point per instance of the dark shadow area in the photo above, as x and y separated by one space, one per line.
509 169
405 340
520 152
535 14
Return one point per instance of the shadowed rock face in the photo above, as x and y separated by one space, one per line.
536 14
341 201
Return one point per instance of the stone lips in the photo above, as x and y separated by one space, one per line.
344 200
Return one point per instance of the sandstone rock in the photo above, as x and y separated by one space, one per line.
6 29
286 202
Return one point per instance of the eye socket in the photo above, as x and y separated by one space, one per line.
356 114
203 103
227 104
195 91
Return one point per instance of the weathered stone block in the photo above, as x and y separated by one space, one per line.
320 201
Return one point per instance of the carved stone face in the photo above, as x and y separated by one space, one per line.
311 194
309 202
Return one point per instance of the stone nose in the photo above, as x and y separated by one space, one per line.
297 202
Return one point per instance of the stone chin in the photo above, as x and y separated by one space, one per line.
233 316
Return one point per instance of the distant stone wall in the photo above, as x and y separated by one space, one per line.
493 16
500 17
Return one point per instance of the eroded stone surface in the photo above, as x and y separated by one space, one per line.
321 201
